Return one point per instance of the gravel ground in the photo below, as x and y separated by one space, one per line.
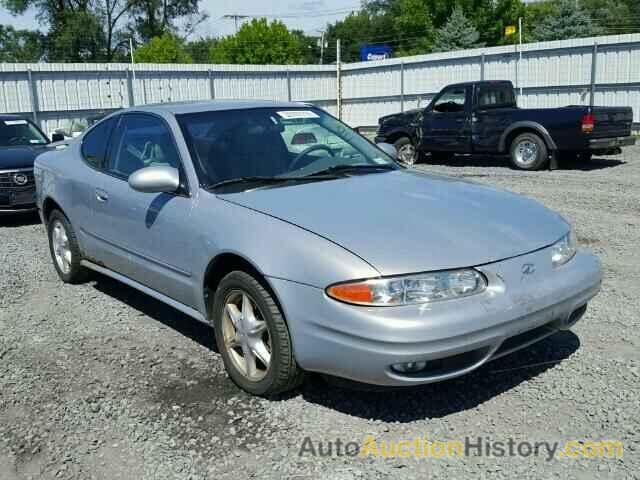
99 381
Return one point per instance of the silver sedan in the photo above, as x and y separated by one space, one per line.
307 247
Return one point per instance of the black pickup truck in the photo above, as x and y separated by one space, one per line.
483 118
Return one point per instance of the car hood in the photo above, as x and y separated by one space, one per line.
19 156
406 221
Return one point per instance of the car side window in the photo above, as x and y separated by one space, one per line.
94 144
451 101
141 141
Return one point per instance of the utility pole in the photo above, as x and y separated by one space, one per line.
520 57
133 74
339 80
322 48
235 17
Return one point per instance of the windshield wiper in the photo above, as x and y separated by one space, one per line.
358 167
265 180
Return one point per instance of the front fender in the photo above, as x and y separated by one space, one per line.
276 248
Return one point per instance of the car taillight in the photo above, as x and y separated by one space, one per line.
588 122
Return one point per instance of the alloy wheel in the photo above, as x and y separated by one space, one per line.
407 154
526 153
61 247
246 335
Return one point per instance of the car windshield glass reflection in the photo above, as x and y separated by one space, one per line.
20 132
270 142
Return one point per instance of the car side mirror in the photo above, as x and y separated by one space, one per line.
57 137
157 179
389 150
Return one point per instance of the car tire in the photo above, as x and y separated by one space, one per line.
528 152
245 343
407 152
64 248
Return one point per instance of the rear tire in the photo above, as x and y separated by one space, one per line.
407 152
256 346
64 248
529 152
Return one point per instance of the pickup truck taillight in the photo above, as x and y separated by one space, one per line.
588 122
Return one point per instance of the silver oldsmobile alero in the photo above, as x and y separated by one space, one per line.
307 247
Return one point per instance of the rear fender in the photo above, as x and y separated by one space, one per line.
526 125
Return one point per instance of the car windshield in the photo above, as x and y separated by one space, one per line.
275 142
20 132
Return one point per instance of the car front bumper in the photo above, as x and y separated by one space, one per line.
454 337
17 201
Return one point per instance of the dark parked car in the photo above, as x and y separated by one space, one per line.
483 118
20 142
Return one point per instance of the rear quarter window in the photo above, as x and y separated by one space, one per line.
95 142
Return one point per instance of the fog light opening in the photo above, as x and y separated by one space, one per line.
409 367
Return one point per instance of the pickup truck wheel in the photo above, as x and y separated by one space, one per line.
529 152
252 337
407 152
65 250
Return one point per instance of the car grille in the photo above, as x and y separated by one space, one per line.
7 181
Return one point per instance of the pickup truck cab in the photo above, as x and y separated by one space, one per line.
483 118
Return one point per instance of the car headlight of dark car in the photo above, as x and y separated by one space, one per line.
564 249
410 289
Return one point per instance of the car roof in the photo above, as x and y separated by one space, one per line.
178 108
13 117
480 82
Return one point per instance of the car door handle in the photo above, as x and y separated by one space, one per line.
101 196
460 120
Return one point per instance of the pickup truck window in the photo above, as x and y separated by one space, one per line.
451 101
492 96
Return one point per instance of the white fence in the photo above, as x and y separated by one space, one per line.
550 74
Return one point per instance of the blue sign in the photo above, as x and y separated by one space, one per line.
375 52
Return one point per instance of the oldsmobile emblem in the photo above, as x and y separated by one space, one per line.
528 269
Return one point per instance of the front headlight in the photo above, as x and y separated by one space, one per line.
563 250
410 289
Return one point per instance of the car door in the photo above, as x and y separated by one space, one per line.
495 104
446 122
145 236
93 152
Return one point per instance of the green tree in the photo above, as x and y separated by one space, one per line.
260 42
612 16
167 48
153 18
458 33
76 36
566 20
414 28
199 49
104 27
21 45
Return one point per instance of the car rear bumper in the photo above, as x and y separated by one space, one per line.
610 143
453 337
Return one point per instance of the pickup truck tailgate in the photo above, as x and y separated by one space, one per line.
612 122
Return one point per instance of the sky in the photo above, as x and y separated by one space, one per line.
308 15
